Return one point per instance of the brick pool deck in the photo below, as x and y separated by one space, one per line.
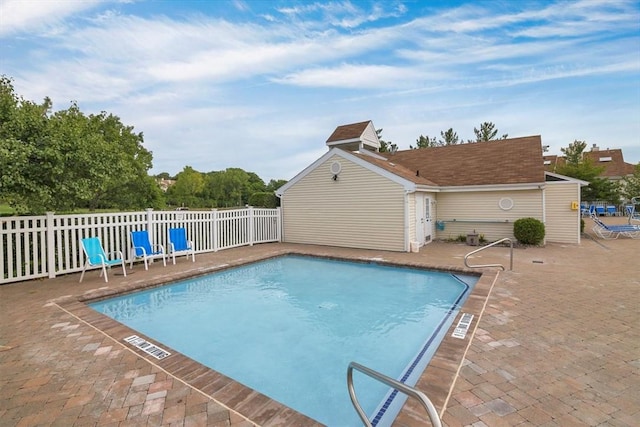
557 344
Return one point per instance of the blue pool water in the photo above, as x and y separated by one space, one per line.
289 326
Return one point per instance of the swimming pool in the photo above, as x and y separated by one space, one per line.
242 322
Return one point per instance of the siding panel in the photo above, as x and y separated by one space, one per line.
479 211
411 221
361 209
563 223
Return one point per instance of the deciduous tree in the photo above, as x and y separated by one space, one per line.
631 184
577 166
274 184
66 160
573 153
188 188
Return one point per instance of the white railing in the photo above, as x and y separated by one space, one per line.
49 245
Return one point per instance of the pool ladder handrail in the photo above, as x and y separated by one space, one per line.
408 390
486 247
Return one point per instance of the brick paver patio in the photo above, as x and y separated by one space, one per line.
558 344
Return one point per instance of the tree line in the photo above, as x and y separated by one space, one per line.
486 132
66 160
231 187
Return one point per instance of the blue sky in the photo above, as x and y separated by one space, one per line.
261 85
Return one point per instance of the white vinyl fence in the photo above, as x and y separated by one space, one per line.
49 245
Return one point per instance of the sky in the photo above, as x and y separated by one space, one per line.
260 85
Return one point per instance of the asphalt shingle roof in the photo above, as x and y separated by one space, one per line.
396 169
347 132
506 161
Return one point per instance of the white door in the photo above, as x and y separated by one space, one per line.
428 222
424 222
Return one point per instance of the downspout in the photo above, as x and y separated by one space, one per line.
544 211
280 218
579 213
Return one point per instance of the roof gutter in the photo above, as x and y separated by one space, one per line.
428 188
493 187
344 141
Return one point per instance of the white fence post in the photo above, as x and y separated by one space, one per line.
51 246
279 225
250 225
214 219
150 224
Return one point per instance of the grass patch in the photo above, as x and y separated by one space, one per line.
6 210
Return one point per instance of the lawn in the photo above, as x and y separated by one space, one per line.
6 210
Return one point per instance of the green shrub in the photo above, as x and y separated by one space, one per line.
263 200
528 231
581 225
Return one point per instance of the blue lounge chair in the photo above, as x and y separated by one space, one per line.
600 210
141 247
96 257
584 210
605 231
633 210
179 245
612 210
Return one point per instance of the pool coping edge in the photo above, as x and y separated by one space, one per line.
437 381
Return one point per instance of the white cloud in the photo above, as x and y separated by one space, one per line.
343 14
565 19
118 54
241 5
355 76
27 15
264 95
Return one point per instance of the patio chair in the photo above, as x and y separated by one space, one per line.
612 210
96 257
605 231
600 211
179 245
632 210
141 247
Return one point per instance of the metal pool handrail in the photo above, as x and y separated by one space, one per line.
409 391
488 246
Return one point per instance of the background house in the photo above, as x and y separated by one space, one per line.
164 184
354 196
612 160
